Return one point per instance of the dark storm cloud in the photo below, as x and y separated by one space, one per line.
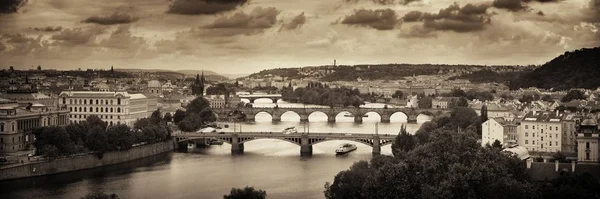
48 29
517 5
454 18
203 7
592 12
11 6
381 19
384 2
21 44
412 16
115 18
296 22
241 23
417 31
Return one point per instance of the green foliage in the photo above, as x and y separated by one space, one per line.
220 89
561 157
119 137
178 116
497 144
528 98
573 95
97 140
99 195
488 76
168 117
156 117
449 166
425 101
576 69
398 94
404 142
246 193
55 138
547 98
569 185
484 113
322 95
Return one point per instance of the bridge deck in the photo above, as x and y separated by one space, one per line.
282 135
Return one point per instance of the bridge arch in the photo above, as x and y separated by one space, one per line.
373 116
295 141
263 116
290 115
263 100
399 116
318 116
344 116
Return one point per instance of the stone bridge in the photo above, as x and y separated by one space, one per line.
357 113
304 140
252 97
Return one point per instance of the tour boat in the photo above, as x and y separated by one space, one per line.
290 130
345 148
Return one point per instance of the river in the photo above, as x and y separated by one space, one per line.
272 165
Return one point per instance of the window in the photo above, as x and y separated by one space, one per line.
71 109
587 145
79 101
64 100
550 143
556 128
542 138
1 127
70 101
526 127
118 109
84 101
533 142
542 131
91 101
119 101
1 140
84 109
96 109
111 102
526 141
79 109
587 156
556 143
91 109
111 109
526 134
532 134
97 102
532 127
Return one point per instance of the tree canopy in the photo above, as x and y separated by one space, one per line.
246 193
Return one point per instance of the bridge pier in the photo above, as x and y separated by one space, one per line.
331 118
385 119
306 148
251 100
412 120
303 118
237 148
276 118
376 146
358 119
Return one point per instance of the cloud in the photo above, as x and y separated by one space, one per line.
19 44
122 39
592 12
384 2
11 6
48 29
517 5
296 22
203 7
76 37
412 16
380 19
115 18
417 31
468 18
241 23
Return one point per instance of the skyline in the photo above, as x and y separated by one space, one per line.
249 36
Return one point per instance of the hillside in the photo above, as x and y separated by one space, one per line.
378 72
576 69
209 75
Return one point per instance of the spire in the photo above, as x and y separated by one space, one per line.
203 80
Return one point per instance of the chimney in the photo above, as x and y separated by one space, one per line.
573 166
529 160
555 165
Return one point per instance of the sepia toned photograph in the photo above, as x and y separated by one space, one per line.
308 99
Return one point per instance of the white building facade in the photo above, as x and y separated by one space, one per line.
112 107
541 131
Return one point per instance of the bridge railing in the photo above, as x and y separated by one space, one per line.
279 134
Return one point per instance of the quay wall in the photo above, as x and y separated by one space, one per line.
84 162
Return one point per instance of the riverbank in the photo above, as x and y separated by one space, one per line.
84 162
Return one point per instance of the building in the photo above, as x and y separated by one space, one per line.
569 132
154 87
413 101
111 107
587 141
29 96
541 131
498 129
17 123
198 86
216 101
442 102
168 87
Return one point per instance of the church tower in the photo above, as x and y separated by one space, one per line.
198 87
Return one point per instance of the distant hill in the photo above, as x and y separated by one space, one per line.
576 69
209 75
376 71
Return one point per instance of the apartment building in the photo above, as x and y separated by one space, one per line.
112 107
541 131
498 129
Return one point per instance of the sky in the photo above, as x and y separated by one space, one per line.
246 36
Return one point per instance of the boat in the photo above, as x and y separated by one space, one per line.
216 142
290 130
345 148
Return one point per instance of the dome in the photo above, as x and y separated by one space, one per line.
520 151
154 84
589 122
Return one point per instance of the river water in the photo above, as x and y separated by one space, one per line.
272 165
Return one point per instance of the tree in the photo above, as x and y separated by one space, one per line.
450 166
398 94
94 121
497 144
156 117
197 105
484 113
168 117
404 142
178 116
12 69
120 137
97 140
99 195
561 157
424 101
49 151
246 193
39 68
573 95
